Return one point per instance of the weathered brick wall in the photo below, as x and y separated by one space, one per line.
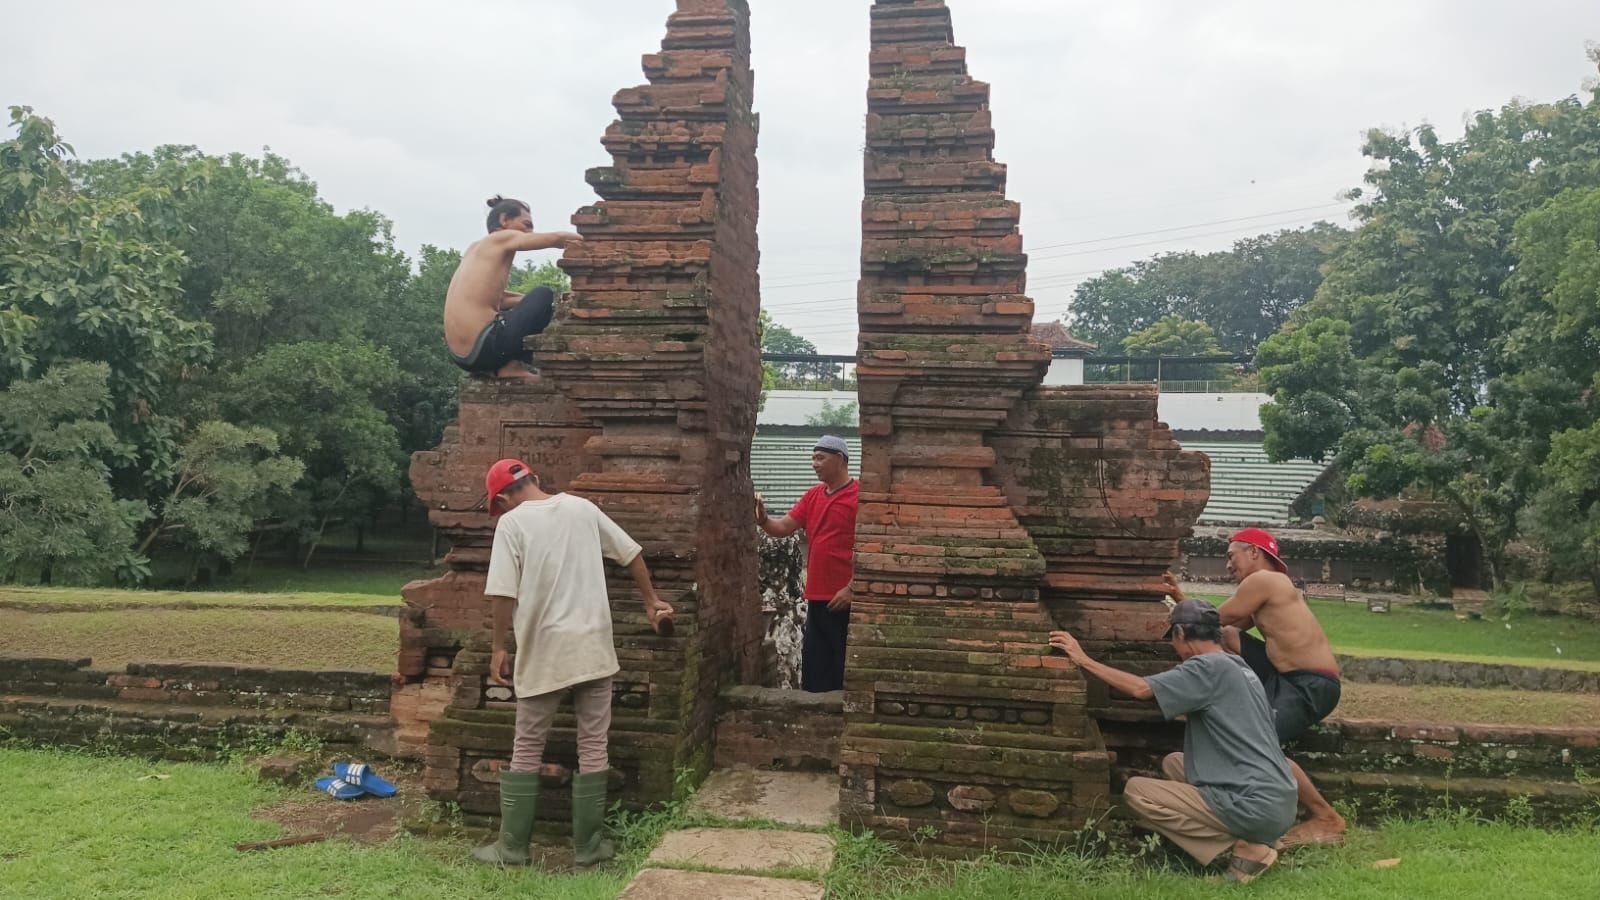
188 710
991 509
650 378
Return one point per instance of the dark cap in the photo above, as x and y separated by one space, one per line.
1192 612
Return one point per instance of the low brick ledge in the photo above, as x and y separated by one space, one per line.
199 684
1459 673
773 728
177 731
776 699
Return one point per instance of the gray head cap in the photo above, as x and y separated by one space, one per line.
833 444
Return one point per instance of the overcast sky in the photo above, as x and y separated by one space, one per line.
1130 127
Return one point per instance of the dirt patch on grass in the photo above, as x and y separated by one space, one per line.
1451 705
347 641
367 820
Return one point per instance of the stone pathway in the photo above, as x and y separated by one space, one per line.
746 863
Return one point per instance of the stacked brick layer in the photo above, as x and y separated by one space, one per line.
988 504
633 412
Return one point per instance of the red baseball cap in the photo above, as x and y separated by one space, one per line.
1258 537
502 475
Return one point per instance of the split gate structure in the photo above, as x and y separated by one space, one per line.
992 509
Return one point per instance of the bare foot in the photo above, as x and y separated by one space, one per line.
1249 861
1324 832
515 370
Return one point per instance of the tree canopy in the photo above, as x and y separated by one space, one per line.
269 363
1243 294
1451 350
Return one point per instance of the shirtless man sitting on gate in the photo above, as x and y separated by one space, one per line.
1295 663
485 324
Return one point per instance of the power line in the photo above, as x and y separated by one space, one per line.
766 282
1042 280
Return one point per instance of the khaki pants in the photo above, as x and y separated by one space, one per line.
591 704
1177 810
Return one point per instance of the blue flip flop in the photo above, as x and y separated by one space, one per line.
339 789
362 776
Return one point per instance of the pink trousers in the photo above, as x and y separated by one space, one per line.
591 703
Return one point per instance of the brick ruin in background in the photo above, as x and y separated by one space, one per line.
645 403
991 509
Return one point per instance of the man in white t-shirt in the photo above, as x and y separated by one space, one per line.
547 567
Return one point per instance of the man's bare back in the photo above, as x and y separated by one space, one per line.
1295 639
477 292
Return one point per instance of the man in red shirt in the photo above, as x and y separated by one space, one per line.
827 512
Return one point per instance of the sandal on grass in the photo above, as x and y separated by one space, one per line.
1244 871
339 789
362 776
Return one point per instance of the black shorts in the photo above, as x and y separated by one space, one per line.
1299 699
501 341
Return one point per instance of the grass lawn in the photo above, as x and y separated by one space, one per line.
246 637
78 826
1411 632
1451 857
173 838
1479 706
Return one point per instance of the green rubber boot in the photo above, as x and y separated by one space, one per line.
589 819
519 803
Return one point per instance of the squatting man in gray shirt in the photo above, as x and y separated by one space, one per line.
1230 788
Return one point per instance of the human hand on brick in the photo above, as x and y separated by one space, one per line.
501 668
1065 643
761 509
1170 582
659 613
841 600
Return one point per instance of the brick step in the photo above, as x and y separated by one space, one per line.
1385 793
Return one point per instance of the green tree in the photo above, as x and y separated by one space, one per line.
86 277
1173 336
59 521
268 261
830 416
225 482
1451 338
326 403
1244 294
527 276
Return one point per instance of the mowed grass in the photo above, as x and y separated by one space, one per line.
354 641
1453 705
1449 857
1415 633
79 826
173 837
